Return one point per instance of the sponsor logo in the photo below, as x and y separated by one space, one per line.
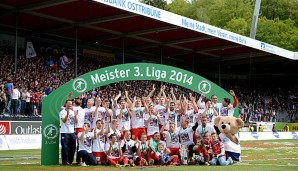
79 85
295 136
50 132
276 134
255 135
267 47
1 142
204 87
4 128
25 128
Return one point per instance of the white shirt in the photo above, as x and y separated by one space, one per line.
210 116
108 119
172 139
124 121
171 116
86 142
101 114
152 126
186 136
230 145
128 150
190 115
208 128
99 142
137 117
224 111
88 116
15 94
143 147
28 97
114 151
80 116
117 133
68 126
161 111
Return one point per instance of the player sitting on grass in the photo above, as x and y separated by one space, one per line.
113 151
218 152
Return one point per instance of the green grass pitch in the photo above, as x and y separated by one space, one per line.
279 155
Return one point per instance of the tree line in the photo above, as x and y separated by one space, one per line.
277 23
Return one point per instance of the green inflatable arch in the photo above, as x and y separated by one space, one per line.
136 71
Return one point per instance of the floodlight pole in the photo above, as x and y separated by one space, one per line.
193 63
76 53
161 55
123 58
16 45
255 17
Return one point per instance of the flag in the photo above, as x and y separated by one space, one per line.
30 52
65 61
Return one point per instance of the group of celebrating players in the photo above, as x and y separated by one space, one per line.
142 131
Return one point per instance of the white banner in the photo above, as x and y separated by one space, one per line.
3 143
16 142
30 52
244 136
267 126
171 18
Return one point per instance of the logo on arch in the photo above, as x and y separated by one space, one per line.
204 87
79 85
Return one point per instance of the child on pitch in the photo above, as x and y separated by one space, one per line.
98 147
113 151
85 146
162 154
218 152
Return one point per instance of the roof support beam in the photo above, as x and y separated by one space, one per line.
35 6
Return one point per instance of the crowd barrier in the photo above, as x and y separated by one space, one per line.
20 142
246 136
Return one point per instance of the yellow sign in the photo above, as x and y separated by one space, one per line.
294 127
100 56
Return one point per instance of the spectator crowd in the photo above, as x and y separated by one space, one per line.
35 79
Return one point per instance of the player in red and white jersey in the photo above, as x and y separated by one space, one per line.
191 111
201 103
128 147
171 137
151 120
99 113
123 115
137 119
98 147
79 122
79 116
186 134
225 108
210 112
109 114
114 130
88 113
113 151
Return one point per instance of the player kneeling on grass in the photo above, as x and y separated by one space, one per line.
218 152
128 147
113 151
85 146
142 150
